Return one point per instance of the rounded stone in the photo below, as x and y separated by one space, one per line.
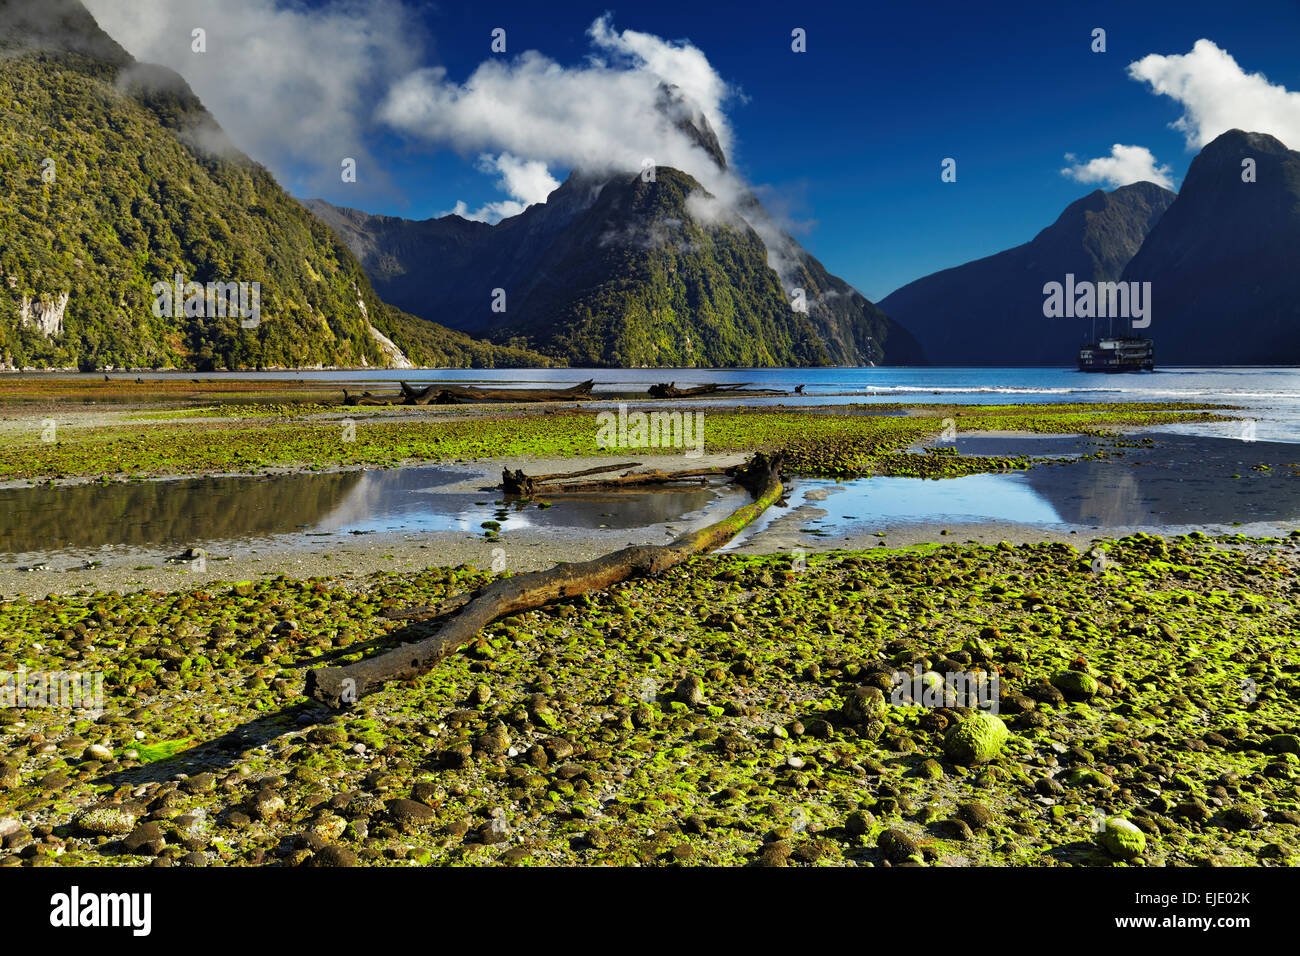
1075 685
1121 839
978 739
106 821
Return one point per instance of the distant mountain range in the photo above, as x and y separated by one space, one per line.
620 272
1222 258
990 311
117 178
628 270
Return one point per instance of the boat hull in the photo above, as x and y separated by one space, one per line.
1118 355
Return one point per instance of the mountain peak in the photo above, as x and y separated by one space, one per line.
690 119
60 26
1144 188
1222 258
1238 139
1001 300
1222 159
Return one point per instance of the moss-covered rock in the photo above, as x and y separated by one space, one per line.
1075 685
1121 839
106 821
862 705
978 739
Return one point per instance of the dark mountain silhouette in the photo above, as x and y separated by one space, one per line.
990 311
1224 260
632 270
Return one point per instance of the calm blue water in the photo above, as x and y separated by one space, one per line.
1270 395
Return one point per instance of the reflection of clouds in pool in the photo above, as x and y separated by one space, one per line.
232 511
417 499
1174 485
972 498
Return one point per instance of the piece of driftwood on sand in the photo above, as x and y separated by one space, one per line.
340 686
532 486
459 395
456 395
670 390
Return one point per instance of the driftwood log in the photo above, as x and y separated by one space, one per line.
365 398
458 395
518 483
340 686
670 390
535 487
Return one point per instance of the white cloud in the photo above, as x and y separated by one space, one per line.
605 114
527 182
295 87
1124 165
1218 95
681 64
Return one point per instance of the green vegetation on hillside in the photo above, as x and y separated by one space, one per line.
659 289
106 191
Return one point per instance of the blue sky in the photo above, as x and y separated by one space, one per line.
845 139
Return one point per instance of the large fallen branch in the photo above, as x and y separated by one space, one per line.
532 486
458 395
629 482
518 483
365 398
339 686
670 390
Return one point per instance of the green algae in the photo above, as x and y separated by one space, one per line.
818 442
569 719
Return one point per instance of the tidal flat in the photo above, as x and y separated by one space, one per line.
740 709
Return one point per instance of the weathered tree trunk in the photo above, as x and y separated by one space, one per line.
366 399
339 686
632 480
670 390
518 483
458 395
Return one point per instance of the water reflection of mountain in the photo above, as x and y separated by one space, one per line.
414 498
1181 481
194 511
379 497
44 519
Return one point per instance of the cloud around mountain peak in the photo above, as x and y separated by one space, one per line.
609 113
1217 95
1124 165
